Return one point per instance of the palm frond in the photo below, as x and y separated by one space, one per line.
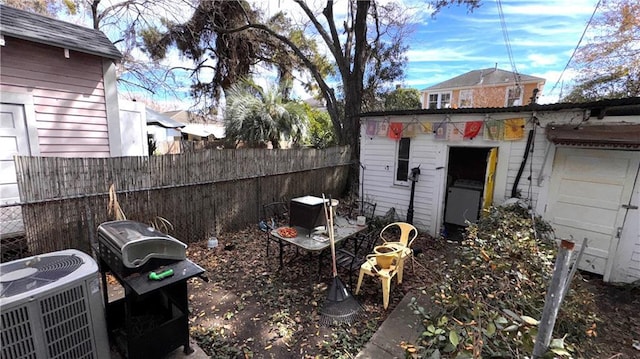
114 211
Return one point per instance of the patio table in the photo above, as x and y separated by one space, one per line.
316 242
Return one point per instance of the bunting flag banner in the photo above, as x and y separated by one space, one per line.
440 131
493 130
426 127
395 130
383 128
372 128
514 129
471 129
410 130
454 133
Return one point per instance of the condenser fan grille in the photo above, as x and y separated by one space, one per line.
22 276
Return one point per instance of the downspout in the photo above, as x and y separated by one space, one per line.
530 138
514 190
534 120
362 188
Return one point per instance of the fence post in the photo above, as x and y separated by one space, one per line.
555 294
574 267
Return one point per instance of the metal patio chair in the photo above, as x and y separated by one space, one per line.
351 260
274 215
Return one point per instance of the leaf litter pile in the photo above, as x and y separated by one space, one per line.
487 291
488 301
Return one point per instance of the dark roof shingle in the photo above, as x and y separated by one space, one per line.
45 30
490 76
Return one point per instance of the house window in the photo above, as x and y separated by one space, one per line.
439 100
402 165
514 96
466 98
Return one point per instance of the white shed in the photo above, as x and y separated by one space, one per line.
575 164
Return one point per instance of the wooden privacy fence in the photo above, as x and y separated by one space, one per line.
200 193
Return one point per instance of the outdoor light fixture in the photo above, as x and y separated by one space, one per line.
415 174
413 177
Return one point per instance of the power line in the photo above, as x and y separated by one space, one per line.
576 48
507 42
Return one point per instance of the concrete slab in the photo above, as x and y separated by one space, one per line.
198 353
401 325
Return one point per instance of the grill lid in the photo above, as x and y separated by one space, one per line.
135 243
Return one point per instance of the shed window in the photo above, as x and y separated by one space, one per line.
402 165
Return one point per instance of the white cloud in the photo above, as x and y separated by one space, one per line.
543 59
566 8
446 54
561 88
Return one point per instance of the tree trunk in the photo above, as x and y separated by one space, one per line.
353 93
94 14
351 134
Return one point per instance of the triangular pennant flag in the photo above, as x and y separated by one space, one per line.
493 130
440 131
514 129
471 129
383 128
426 127
454 133
395 130
372 128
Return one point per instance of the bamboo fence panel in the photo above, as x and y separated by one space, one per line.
201 193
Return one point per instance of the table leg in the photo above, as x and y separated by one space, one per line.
187 349
268 240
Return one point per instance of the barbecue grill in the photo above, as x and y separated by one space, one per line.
152 319
128 245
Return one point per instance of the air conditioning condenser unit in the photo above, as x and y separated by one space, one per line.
51 306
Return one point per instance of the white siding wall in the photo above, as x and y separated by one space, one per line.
626 268
379 159
378 155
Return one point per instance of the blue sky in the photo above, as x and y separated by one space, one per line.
542 33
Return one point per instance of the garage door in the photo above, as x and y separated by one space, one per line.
13 141
587 191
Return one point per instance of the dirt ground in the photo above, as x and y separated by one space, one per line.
250 308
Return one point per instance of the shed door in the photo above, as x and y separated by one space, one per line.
490 179
13 141
587 191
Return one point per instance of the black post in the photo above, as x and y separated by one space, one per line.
415 173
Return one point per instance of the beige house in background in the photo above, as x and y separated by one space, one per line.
198 127
490 87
